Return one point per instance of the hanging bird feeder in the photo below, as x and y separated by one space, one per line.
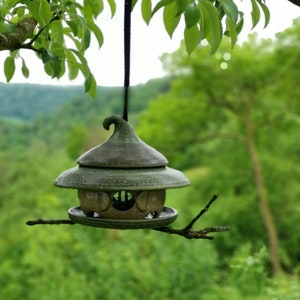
122 182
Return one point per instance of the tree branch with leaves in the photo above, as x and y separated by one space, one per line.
59 31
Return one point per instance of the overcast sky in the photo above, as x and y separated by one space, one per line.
148 43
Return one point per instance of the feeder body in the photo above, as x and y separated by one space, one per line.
108 205
122 179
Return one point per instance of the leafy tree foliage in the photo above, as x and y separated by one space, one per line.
234 97
59 31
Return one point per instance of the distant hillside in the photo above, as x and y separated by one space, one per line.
25 102
29 112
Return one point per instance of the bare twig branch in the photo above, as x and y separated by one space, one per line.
202 212
196 234
49 222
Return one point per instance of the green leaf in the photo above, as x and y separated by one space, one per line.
57 50
40 10
83 31
53 64
231 26
45 12
15 54
9 68
70 7
24 69
55 69
70 35
161 4
240 24
171 20
232 17
255 13
73 24
97 32
47 56
230 9
57 32
265 11
133 3
83 65
72 64
34 7
113 7
98 7
86 38
92 8
191 15
90 85
191 38
19 11
212 24
181 6
146 7
87 9
90 82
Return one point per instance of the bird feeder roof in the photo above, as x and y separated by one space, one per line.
123 149
123 162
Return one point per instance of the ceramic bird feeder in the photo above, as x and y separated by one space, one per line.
122 182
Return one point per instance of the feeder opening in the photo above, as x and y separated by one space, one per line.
123 200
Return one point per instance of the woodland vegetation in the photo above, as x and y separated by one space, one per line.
230 121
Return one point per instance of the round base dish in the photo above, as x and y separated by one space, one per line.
166 217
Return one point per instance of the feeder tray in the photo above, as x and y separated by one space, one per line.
166 217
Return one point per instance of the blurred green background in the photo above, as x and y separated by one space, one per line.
229 121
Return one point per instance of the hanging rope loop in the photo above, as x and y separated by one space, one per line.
127 40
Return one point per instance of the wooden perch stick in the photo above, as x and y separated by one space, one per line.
49 222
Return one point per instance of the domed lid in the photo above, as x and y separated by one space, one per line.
122 162
122 150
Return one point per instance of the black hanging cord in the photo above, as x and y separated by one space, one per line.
127 31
